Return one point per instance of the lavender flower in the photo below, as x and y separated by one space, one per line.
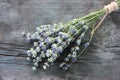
86 44
35 44
49 41
34 54
37 49
44 67
28 52
49 53
73 30
41 44
58 39
36 64
78 42
38 59
42 54
74 60
65 68
28 58
52 58
34 68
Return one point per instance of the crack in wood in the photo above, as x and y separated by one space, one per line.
116 46
12 44
15 55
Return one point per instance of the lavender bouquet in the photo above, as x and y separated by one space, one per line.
49 42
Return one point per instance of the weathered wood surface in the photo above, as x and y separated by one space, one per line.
100 62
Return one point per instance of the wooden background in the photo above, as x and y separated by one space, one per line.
101 61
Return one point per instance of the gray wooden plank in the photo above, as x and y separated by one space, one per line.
101 61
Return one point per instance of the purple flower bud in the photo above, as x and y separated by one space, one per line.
77 48
28 40
66 59
41 44
85 27
68 41
65 68
79 24
28 53
43 48
78 42
37 49
62 64
49 40
59 33
86 44
58 40
35 44
72 49
57 49
60 49
54 46
54 55
69 55
42 34
74 31
63 44
64 36
54 50
74 60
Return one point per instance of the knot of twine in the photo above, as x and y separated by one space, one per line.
113 6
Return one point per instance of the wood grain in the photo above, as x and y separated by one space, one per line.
101 61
